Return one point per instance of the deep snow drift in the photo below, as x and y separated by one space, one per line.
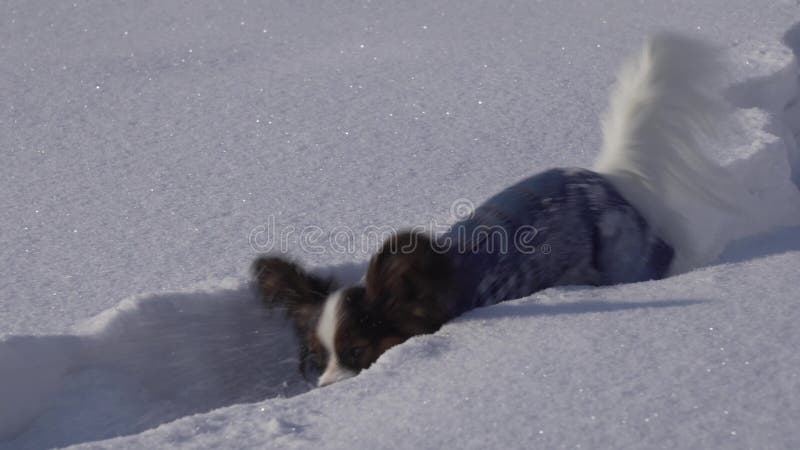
143 145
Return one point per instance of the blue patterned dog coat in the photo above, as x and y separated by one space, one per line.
563 226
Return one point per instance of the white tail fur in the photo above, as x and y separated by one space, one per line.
663 110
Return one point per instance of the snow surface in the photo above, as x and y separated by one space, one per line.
144 142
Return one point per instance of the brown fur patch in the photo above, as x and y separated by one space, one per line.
409 282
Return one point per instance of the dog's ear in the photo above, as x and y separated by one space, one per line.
408 282
283 283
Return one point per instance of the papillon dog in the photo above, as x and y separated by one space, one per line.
621 222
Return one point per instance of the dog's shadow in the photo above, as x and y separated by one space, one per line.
528 309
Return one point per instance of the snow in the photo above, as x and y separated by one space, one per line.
145 145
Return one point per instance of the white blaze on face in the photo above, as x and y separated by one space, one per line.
326 333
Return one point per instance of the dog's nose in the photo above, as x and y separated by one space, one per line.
334 373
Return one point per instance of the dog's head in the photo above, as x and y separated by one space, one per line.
410 281
343 331
340 331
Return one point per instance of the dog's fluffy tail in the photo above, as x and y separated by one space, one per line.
663 110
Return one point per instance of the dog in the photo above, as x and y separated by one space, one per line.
621 222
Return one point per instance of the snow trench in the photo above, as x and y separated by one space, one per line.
147 361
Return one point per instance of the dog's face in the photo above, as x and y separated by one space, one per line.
350 335
340 331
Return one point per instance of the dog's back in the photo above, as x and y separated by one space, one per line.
560 227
